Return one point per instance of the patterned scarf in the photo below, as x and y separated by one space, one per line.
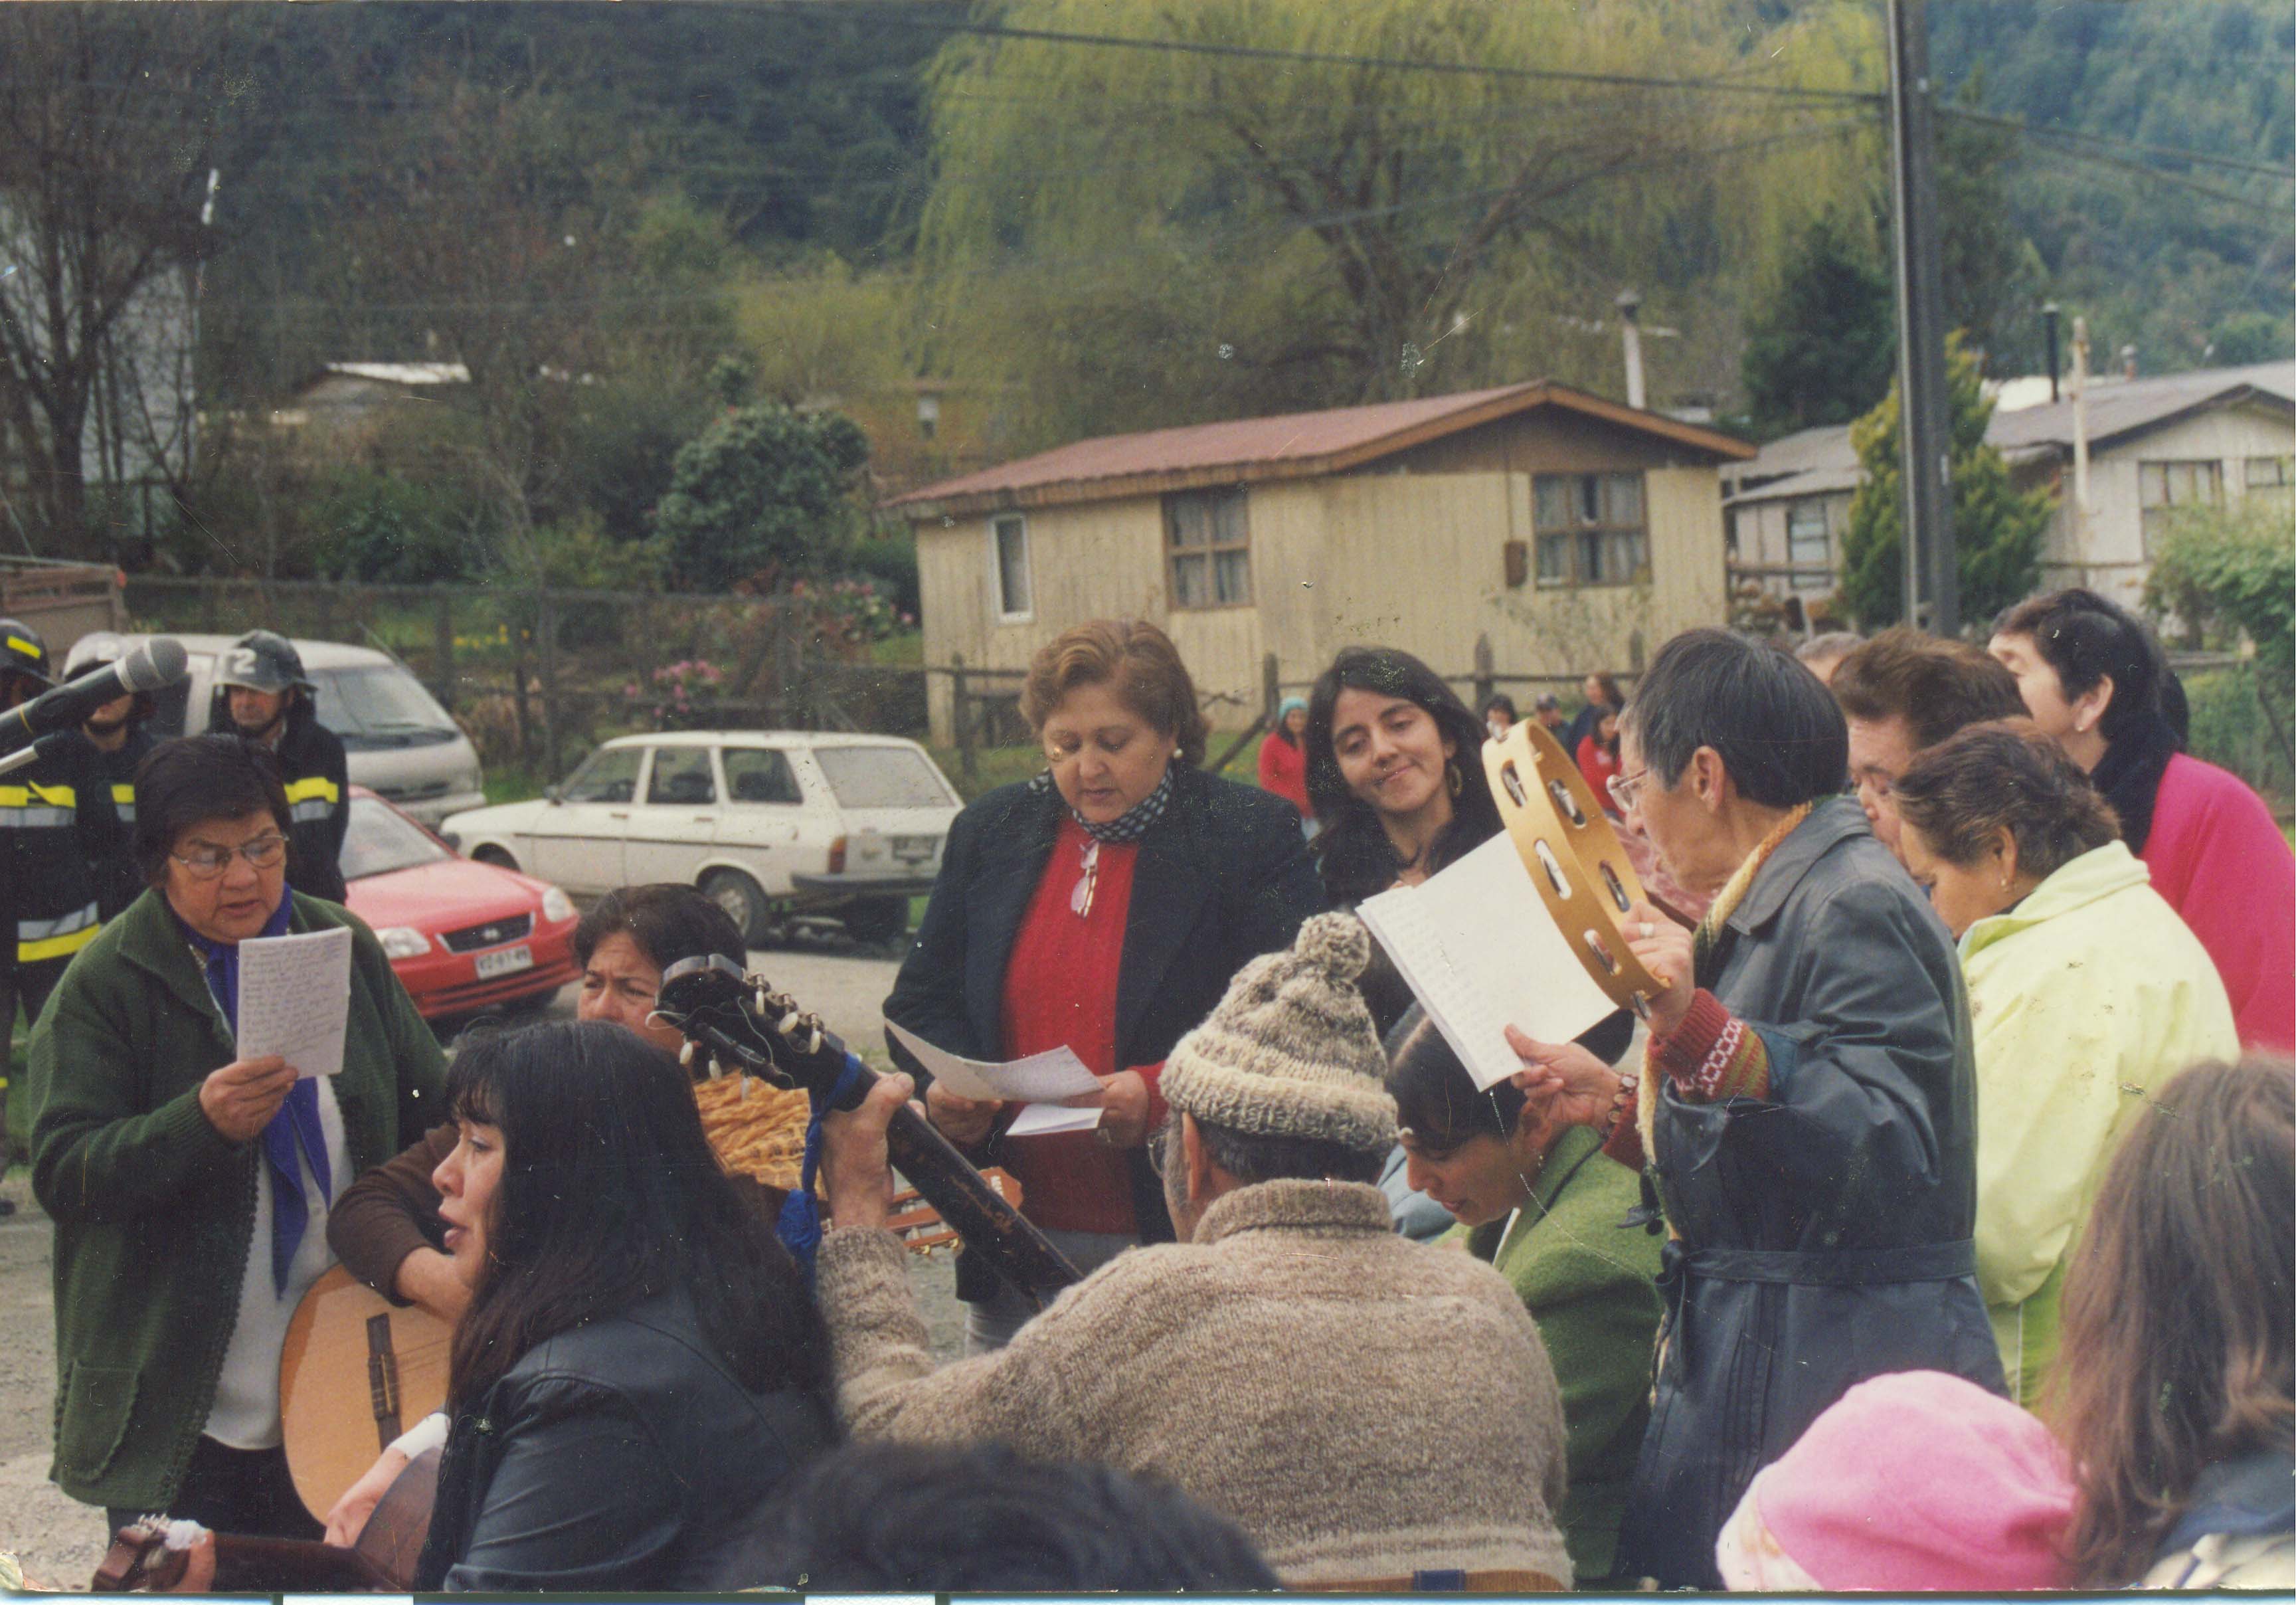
1702 947
1130 825
295 1128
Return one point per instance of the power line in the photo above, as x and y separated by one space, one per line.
2176 180
2285 174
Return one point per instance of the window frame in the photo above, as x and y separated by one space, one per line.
1574 534
998 599
2206 476
1210 552
672 752
789 769
1799 583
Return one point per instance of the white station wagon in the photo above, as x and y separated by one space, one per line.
772 824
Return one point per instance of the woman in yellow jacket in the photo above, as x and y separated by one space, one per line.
2085 990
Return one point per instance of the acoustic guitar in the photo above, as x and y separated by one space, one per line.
356 1369
140 1559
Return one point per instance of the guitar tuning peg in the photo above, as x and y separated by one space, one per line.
761 997
685 1055
745 1086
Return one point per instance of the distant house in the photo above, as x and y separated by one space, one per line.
1573 532
2154 445
351 398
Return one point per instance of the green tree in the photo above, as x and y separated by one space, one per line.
2223 574
1997 528
1819 347
763 496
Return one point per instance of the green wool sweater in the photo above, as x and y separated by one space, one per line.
153 1208
1592 1289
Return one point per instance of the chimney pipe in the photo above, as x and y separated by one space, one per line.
2128 362
2049 318
1629 303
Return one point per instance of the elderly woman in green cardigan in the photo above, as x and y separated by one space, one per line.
190 1184
1539 1204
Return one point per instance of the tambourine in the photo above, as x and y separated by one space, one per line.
1565 840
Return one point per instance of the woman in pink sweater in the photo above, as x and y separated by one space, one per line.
2093 676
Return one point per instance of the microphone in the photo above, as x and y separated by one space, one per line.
159 661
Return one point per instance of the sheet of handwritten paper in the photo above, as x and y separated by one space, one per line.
1036 1082
295 998
1480 951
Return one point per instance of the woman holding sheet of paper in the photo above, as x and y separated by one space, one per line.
1807 1109
189 1186
1103 907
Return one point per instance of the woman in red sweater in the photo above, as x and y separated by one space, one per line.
1105 907
1284 759
2093 676
1598 757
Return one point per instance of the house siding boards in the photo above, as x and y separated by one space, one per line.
2111 559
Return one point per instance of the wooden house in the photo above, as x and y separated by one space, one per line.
1574 532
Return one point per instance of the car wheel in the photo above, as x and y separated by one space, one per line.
495 856
744 903
876 918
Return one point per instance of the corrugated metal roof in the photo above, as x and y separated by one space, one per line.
404 373
1289 445
1814 461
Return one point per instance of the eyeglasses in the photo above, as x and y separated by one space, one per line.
1625 788
206 861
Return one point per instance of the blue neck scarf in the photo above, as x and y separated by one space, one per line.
295 1126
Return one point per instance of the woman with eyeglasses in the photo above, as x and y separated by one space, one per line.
189 1186
387 1228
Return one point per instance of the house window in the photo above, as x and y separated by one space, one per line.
2274 477
1591 529
1208 543
1809 545
1008 539
2164 488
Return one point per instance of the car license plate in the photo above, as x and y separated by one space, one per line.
507 962
914 850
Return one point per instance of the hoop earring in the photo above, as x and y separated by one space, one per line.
1457 779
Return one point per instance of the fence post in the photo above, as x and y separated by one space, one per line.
547 613
442 626
1485 682
1271 687
961 715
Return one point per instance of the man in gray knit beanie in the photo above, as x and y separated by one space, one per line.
1369 1410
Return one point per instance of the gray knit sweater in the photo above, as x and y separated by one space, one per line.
1362 1405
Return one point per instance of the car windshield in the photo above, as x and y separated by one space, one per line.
381 705
882 776
380 840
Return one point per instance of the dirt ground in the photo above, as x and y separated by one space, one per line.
60 1541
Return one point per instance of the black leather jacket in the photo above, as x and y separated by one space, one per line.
620 1455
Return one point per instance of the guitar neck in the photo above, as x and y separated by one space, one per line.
946 1179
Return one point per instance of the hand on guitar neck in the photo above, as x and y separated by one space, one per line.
856 1165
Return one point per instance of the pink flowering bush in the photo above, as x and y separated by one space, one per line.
680 696
853 612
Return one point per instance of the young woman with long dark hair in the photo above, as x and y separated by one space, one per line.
2177 1393
1395 771
641 1364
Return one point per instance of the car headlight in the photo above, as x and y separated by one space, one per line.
402 941
556 905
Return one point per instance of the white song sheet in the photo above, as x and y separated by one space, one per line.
1482 952
295 998
1039 1080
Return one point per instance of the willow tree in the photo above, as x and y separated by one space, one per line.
1282 214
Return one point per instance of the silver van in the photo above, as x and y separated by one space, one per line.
400 743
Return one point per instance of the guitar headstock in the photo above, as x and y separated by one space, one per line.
147 1556
709 999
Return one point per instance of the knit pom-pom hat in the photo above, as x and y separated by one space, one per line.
1291 1051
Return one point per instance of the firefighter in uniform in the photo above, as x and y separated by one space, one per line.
117 737
56 817
261 692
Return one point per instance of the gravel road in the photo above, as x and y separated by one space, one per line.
60 1541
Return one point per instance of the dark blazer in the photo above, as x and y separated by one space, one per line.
1222 878
619 1455
1824 1229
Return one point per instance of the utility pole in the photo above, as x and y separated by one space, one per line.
1932 581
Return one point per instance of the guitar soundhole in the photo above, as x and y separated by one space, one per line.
1618 890
1566 804
1513 784
1602 953
1546 862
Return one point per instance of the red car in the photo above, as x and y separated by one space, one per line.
463 937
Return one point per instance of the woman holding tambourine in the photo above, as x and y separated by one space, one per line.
1805 1113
